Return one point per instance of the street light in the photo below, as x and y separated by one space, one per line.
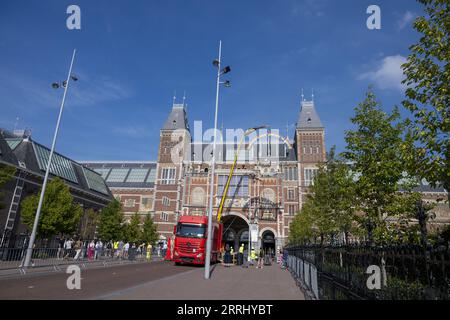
216 63
55 85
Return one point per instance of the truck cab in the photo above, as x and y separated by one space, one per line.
190 240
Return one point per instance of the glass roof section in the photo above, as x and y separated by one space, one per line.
103 172
137 175
61 167
118 175
13 143
95 181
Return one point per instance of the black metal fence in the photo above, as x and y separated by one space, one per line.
380 273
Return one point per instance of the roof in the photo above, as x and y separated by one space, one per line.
177 119
33 157
125 174
308 118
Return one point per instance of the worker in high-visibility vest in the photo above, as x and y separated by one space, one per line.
252 256
116 248
241 255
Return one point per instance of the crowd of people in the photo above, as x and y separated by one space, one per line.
76 249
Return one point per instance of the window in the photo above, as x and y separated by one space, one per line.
130 203
166 201
291 210
164 216
291 194
309 176
238 186
103 172
291 173
168 176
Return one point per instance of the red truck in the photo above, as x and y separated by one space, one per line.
190 240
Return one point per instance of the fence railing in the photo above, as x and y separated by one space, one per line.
13 258
381 273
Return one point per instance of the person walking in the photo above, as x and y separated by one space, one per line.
253 256
61 248
120 248
227 257
98 249
68 248
261 259
91 249
77 247
126 247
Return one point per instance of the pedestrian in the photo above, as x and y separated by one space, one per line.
253 256
116 249
68 248
98 249
77 247
91 249
126 247
164 249
120 248
261 259
159 249
285 258
60 254
241 255
227 257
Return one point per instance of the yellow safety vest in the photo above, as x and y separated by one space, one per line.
116 245
241 249
253 254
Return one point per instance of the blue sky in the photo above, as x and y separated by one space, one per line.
132 56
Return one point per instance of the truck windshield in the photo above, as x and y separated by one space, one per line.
191 230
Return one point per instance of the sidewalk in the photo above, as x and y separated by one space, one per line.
233 283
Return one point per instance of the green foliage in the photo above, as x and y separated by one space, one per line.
329 210
428 95
149 233
6 174
59 213
111 222
375 149
132 230
89 221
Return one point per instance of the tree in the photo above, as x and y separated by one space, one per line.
374 149
89 222
6 174
427 73
132 230
149 233
111 222
59 213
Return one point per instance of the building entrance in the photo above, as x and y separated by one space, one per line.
268 242
235 231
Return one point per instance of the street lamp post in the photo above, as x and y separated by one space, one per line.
47 171
225 70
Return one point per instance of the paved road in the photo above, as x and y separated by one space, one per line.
159 280
95 282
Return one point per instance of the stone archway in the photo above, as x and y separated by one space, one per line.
268 240
235 226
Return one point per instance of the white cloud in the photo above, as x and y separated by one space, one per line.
388 74
406 19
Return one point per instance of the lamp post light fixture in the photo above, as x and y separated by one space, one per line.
55 85
220 72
